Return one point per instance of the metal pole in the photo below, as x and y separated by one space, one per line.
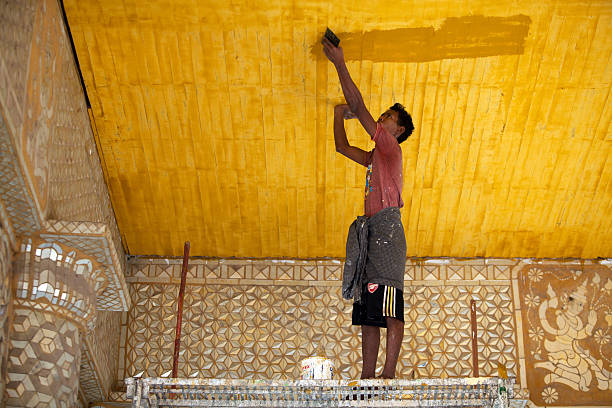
179 316
474 338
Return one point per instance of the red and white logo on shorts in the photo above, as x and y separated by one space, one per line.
372 287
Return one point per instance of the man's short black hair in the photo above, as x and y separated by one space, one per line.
403 119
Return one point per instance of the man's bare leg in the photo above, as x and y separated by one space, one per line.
395 335
370 340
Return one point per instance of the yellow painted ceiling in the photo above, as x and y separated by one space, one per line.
214 122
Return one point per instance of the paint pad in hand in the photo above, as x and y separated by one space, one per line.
329 34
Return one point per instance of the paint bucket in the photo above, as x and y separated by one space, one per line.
317 368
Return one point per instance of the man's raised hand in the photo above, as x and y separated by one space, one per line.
345 111
333 53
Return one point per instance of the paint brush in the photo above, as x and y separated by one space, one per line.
329 34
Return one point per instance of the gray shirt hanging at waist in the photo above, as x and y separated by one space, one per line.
375 253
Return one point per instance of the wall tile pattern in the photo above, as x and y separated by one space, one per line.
567 326
7 225
59 280
6 254
96 240
99 356
15 36
259 319
48 155
77 188
76 184
89 383
44 360
13 188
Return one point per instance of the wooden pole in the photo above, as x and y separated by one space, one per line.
179 315
474 339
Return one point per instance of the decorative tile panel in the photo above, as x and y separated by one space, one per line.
261 325
89 382
58 279
6 254
14 192
44 360
94 239
99 356
567 328
47 151
18 19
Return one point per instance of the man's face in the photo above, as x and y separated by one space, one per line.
389 121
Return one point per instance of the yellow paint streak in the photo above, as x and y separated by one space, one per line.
458 37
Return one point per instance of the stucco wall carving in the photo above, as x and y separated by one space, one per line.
567 325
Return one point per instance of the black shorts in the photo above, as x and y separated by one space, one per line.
377 303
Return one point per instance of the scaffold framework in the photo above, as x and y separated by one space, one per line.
489 392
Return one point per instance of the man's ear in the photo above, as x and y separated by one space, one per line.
399 131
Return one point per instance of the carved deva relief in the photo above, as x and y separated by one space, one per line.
567 327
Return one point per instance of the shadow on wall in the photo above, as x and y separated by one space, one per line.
458 37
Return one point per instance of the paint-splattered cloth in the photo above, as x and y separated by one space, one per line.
375 253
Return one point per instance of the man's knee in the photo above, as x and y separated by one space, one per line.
392 322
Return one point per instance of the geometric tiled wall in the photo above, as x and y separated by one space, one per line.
6 253
50 170
18 18
100 347
43 360
259 319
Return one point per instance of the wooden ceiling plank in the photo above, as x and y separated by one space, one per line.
426 161
460 151
444 167
527 75
565 172
473 200
472 78
99 71
600 210
292 212
410 153
543 143
436 204
594 75
416 164
497 212
486 159
287 158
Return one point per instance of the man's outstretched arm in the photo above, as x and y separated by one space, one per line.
351 92
342 112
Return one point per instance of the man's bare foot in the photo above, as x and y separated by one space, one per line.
384 377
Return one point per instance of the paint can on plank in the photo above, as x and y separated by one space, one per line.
317 368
